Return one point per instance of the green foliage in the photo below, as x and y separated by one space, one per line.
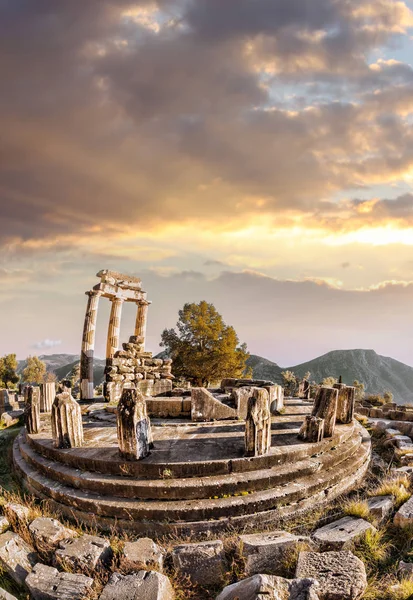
388 396
8 371
74 375
359 393
35 371
204 349
290 383
329 381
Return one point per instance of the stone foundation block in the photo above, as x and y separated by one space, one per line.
340 534
83 553
17 558
46 583
204 407
260 587
263 551
16 513
404 515
380 506
144 553
203 562
49 532
144 585
341 575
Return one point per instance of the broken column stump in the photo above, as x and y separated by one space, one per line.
345 403
47 396
134 426
32 410
67 427
312 430
325 407
258 424
304 389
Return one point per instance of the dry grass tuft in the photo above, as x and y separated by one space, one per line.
373 549
398 487
358 508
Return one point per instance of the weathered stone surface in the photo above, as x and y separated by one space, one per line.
325 407
204 407
345 403
258 587
83 553
16 556
32 410
405 570
304 589
47 396
203 562
258 424
380 506
144 585
5 404
340 534
6 596
48 532
241 396
4 523
404 515
134 426
263 551
16 513
304 389
46 583
312 429
67 428
144 553
10 418
341 575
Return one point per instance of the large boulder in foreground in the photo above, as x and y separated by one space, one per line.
46 583
341 575
144 585
17 558
203 562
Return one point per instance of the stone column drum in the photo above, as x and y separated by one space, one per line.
345 403
325 407
67 427
114 327
258 424
32 410
141 320
134 426
47 396
88 346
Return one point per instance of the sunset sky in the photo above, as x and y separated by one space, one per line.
257 154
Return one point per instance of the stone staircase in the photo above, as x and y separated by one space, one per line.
196 479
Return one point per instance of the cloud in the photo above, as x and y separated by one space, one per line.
47 344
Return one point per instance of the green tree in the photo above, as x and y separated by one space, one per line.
204 349
8 370
35 370
74 374
290 383
329 381
388 396
359 393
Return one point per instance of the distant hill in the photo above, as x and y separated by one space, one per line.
378 373
263 368
53 361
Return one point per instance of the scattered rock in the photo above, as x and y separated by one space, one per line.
405 570
49 532
84 553
203 562
144 553
380 506
341 575
262 552
144 585
16 513
404 515
4 524
46 583
16 556
340 534
304 589
257 587
11 418
6 596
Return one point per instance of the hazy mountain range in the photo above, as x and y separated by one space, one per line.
378 373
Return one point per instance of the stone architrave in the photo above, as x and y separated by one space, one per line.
47 396
114 327
67 427
325 407
312 429
88 346
258 424
134 426
141 320
345 402
32 410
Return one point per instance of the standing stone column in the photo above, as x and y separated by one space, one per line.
134 426
5 405
67 427
47 396
258 424
32 410
325 407
345 403
141 320
114 327
88 346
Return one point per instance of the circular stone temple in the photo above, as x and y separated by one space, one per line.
199 476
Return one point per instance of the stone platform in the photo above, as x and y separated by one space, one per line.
196 479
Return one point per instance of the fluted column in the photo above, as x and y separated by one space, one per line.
88 346
141 319
114 327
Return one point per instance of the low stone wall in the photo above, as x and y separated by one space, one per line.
391 411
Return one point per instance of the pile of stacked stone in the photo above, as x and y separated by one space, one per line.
132 366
